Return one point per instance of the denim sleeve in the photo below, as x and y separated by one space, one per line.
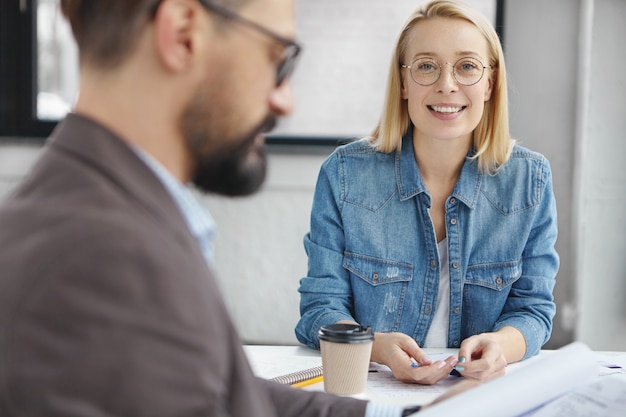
530 306
325 293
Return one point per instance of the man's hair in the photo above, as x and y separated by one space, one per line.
107 31
492 141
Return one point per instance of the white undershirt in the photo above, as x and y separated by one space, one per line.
437 336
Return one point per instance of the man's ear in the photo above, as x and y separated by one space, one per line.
173 26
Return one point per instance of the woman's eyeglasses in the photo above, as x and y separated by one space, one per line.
466 71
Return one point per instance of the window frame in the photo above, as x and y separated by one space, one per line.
18 72
18 78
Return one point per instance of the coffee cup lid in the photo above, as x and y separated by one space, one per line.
346 333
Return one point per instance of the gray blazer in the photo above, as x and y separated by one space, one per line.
107 306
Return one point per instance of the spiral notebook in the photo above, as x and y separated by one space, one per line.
291 365
298 377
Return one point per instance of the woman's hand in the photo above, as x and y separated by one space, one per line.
485 356
396 350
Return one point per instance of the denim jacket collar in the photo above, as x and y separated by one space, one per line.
411 183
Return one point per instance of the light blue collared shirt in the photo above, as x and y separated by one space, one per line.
383 410
197 217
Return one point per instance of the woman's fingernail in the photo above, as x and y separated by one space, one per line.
462 359
453 363
459 368
426 359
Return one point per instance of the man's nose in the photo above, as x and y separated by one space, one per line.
281 99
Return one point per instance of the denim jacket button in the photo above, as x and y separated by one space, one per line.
499 280
453 200
456 310
453 221
375 276
455 265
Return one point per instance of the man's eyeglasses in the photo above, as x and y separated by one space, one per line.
466 71
291 49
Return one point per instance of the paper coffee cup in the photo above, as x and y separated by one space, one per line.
346 350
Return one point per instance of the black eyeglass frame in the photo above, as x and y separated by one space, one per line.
439 66
292 50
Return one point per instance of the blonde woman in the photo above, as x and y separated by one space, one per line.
437 230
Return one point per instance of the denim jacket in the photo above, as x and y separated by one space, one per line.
373 253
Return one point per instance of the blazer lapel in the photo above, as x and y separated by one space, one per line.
105 152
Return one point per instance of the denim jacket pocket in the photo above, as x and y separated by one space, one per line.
377 271
495 276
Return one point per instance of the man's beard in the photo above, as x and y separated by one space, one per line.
223 165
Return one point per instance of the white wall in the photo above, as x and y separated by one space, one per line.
602 200
16 157
541 50
575 114
260 256
259 251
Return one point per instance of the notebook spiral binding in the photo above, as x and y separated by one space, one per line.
299 376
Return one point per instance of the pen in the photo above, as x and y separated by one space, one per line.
308 382
609 365
414 363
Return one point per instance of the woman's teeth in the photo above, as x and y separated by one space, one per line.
439 109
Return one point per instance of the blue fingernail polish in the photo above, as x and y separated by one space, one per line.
462 359
459 368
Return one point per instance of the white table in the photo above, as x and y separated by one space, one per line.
270 361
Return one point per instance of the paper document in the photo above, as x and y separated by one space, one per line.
606 397
529 387
383 387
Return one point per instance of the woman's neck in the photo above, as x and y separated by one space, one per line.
440 160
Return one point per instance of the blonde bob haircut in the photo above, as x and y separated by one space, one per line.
492 142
